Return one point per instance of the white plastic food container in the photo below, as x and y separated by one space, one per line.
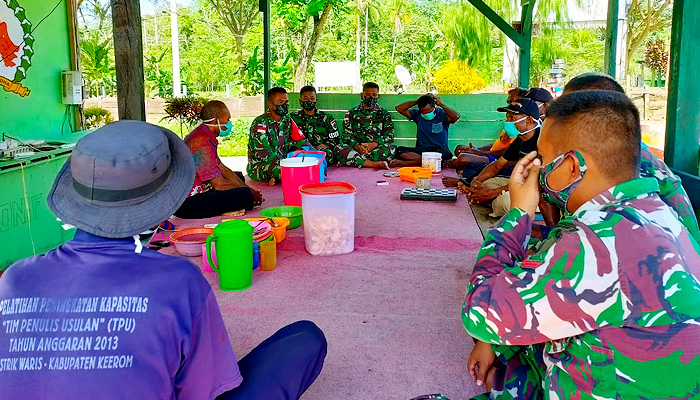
433 161
329 217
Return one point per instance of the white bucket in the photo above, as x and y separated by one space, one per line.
433 161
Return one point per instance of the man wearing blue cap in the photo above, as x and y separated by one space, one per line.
102 317
523 123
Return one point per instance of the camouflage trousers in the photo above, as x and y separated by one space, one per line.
263 171
331 158
520 374
352 158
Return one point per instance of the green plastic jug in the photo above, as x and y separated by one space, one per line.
234 254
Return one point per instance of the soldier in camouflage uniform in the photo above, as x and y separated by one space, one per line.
320 128
670 186
272 136
368 133
608 305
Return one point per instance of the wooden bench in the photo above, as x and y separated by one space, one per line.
479 124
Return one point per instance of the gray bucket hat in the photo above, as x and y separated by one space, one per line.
123 179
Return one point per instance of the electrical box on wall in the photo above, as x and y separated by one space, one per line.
72 87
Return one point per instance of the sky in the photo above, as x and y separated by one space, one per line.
595 12
148 6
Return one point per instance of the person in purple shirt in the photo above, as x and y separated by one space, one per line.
103 317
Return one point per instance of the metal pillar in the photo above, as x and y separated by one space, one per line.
265 9
175 43
522 39
526 46
611 38
128 59
616 39
682 151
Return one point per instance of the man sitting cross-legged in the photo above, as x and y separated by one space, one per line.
319 128
608 305
479 157
272 136
217 190
472 160
102 317
490 185
368 133
433 120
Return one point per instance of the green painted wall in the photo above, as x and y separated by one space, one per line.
27 227
480 123
40 114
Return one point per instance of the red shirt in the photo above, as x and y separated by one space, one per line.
203 146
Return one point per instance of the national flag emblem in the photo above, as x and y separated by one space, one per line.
297 134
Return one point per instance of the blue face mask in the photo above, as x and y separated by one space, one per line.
512 131
226 129
429 116
510 128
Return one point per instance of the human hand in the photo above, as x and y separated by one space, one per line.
361 148
321 147
482 194
523 184
480 360
371 146
257 197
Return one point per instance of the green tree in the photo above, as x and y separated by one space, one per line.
369 10
644 18
656 58
238 16
159 80
400 13
306 19
96 14
97 62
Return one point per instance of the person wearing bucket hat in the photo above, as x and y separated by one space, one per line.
100 310
217 190
523 123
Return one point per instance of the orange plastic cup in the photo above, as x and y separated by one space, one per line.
280 231
268 255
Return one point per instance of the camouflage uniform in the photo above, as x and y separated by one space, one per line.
268 143
319 128
670 189
606 307
363 126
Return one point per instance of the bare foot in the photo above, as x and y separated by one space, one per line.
238 213
449 181
376 164
401 163
271 182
